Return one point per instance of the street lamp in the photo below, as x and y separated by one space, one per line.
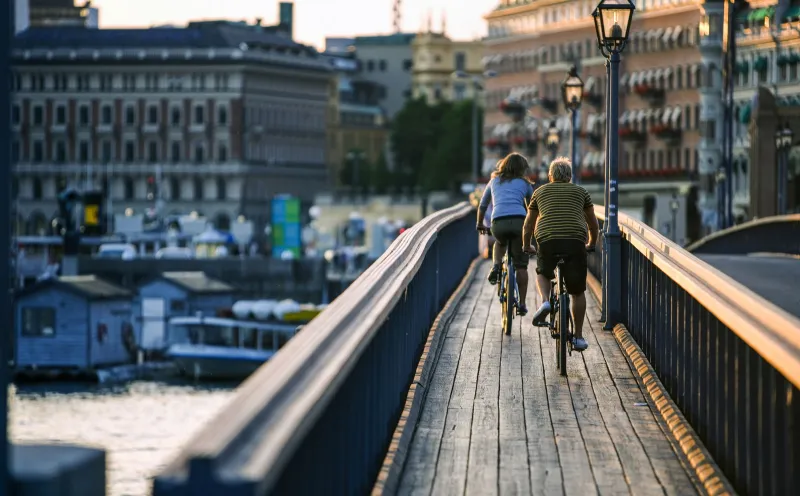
477 86
612 22
674 205
553 140
784 139
572 92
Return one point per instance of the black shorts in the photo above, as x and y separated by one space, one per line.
574 269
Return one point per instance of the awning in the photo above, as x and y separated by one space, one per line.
758 15
659 74
623 80
623 119
676 33
634 79
667 35
590 82
667 72
648 77
675 118
665 117
486 60
590 120
655 114
659 34
641 116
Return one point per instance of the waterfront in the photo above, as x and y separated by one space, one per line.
140 424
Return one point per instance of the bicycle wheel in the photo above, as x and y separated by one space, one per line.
508 319
563 335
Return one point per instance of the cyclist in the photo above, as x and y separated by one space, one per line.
509 191
559 213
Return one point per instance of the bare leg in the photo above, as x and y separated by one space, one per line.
522 284
578 313
498 254
544 286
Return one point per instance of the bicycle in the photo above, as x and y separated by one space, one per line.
508 279
561 325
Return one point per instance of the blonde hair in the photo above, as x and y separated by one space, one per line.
513 166
561 170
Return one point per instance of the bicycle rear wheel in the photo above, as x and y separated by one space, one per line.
563 332
508 307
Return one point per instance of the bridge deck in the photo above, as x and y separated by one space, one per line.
498 417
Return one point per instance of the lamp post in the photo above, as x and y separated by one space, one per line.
612 21
674 205
553 140
783 143
5 248
477 87
572 92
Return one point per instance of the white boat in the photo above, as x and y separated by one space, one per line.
224 349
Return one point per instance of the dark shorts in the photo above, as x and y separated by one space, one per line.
574 268
508 232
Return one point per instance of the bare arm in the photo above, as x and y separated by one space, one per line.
529 227
591 221
486 199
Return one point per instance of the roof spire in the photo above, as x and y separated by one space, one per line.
444 22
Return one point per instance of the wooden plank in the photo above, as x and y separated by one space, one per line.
577 476
513 464
545 470
482 470
668 467
452 463
420 468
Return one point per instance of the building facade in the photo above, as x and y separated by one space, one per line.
359 130
436 59
387 60
215 118
671 112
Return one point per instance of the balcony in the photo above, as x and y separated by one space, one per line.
514 109
105 128
649 93
632 136
499 146
666 133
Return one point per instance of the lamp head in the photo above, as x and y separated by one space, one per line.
613 24
572 90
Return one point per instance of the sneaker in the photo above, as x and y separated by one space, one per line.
541 314
579 344
522 310
494 274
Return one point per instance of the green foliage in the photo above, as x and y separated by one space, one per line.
432 144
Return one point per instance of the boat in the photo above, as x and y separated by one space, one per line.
214 348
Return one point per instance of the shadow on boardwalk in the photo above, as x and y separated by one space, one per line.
499 419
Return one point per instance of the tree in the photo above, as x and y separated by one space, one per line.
381 175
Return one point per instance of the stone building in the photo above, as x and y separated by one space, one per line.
215 118
436 58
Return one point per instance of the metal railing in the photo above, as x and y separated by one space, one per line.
778 234
319 416
728 358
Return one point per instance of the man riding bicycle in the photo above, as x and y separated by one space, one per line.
510 191
559 213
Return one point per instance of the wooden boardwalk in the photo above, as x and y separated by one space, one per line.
499 419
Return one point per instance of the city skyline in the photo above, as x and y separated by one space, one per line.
314 19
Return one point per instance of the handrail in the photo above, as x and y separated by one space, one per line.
745 226
259 431
766 328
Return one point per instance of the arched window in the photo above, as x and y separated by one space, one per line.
130 189
222 189
198 188
174 188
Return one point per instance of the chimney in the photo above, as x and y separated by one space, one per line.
258 21
286 18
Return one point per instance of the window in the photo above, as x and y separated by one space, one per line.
175 152
177 305
129 82
198 188
37 189
130 151
461 61
39 322
222 116
382 65
199 82
15 151
83 82
37 82
60 152
222 190
152 114
106 82
38 115
407 65
106 153
16 114
175 116
199 154
199 114
152 152
60 82
83 115
130 115
83 152
107 114
221 82
128 188
174 188
61 115
370 65
222 153
458 91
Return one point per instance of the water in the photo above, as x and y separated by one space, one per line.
141 425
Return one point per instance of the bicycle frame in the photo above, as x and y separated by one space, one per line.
561 320
508 302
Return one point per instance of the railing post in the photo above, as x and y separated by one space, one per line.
613 277
604 254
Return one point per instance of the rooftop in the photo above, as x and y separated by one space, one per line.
89 286
197 282
396 39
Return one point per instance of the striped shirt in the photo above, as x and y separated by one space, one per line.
560 209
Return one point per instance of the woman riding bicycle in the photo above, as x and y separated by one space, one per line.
510 192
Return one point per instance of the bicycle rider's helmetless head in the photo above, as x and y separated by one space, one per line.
513 166
560 170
